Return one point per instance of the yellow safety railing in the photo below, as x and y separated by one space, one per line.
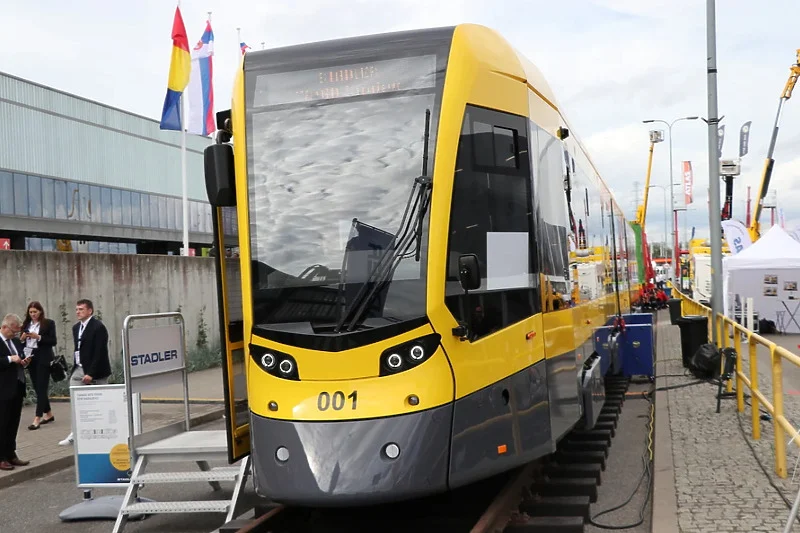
727 326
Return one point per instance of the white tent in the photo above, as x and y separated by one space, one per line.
769 272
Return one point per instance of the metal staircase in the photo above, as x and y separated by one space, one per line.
198 447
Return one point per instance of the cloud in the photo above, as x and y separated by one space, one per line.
611 63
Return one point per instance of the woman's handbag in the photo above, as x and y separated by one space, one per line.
58 368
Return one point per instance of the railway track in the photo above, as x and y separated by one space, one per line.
550 495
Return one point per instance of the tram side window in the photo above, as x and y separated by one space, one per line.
491 217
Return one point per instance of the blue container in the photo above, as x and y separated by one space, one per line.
637 349
638 318
668 291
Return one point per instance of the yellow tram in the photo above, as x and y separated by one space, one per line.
401 318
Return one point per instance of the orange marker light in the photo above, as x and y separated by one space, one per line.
530 335
502 449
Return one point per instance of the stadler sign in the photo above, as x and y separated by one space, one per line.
152 352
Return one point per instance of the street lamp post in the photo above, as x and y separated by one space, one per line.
669 125
664 191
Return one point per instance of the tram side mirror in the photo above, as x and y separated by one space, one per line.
220 175
469 272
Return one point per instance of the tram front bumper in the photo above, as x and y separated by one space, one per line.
353 462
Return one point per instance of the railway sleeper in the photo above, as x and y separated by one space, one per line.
610 409
555 470
591 435
614 399
548 524
607 426
585 446
557 506
608 417
582 457
566 487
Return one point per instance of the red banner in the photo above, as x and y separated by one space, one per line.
688 181
5 244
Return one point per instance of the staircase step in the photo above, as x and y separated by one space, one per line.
210 506
229 473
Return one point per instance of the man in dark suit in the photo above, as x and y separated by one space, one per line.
91 365
12 390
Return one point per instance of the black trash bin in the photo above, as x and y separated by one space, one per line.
694 333
674 310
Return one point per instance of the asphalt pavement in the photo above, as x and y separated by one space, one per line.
40 501
624 469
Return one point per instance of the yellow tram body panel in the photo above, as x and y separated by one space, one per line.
354 399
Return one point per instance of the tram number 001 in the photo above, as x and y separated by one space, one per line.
336 400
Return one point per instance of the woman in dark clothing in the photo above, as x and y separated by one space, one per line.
39 336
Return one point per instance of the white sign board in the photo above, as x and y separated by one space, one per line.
156 356
100 427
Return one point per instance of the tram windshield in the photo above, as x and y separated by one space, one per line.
333 156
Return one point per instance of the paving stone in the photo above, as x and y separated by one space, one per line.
718 482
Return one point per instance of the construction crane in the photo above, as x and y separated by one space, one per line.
794 72
646 270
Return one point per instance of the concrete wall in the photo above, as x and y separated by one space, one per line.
118 285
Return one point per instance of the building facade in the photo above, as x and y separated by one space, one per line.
83 176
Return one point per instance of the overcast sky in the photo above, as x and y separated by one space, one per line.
612 63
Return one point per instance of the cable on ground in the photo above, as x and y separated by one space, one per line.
647 472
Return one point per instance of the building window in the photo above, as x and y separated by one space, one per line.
126 207
116 203
96 204
163 213
154 222
21 194
48 198
73 201
106 206
145 205
34 196
7 196
136 209
61 199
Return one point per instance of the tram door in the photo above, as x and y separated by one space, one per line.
229 286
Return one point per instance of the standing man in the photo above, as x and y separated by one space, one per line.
91 365
12 390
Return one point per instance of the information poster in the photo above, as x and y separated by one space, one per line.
100 424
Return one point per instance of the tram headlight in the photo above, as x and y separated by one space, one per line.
279 364
408 355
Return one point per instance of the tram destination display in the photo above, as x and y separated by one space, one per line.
342 81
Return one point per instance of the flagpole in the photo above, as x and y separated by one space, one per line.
183 179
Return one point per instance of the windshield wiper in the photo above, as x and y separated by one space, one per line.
401 243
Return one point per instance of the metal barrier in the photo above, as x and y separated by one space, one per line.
726 326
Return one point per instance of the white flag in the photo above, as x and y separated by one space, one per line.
736 235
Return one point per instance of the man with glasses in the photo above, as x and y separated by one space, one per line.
12 390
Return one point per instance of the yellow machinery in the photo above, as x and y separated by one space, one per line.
755 228
656 136
400 318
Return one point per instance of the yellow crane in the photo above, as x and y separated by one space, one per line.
794 72
656 136
646 269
